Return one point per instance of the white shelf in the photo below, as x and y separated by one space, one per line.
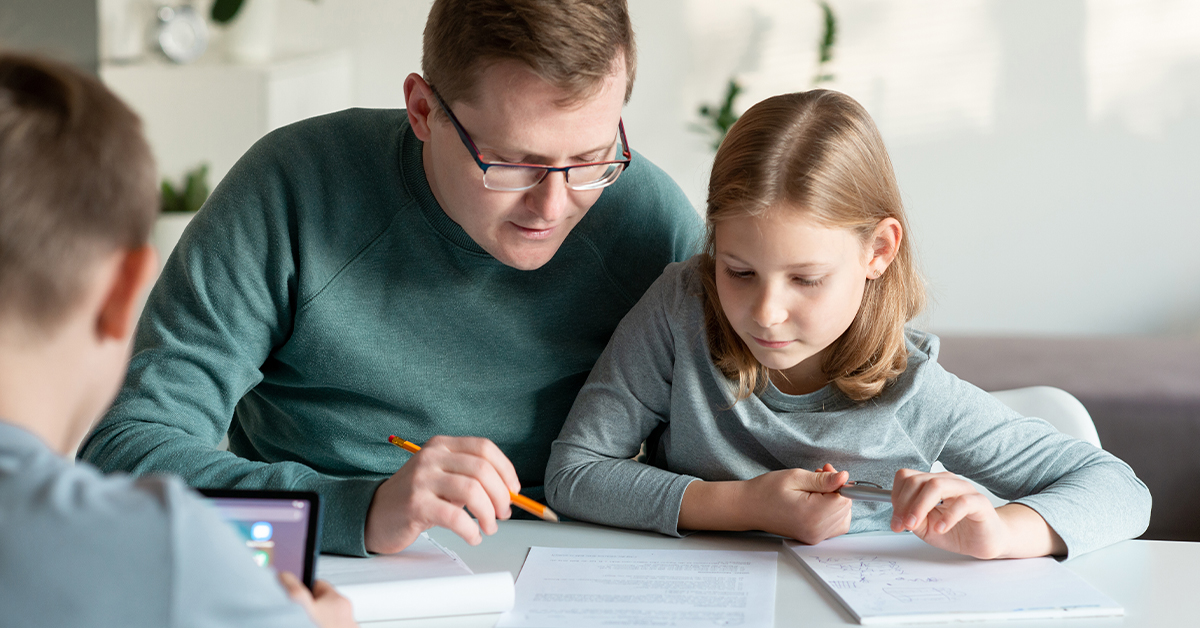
211 111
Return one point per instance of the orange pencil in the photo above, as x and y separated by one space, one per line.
518 500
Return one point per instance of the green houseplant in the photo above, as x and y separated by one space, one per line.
716 119
179 205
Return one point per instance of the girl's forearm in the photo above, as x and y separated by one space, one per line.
1028 533
714 506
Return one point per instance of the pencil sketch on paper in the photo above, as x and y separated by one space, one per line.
850 573
901 579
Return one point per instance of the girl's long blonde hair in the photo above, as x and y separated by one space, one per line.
816 152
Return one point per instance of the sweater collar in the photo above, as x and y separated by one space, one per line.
412 171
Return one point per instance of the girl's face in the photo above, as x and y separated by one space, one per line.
790 287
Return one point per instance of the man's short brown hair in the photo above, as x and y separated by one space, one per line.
571 44
77 181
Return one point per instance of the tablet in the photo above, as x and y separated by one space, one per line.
281 528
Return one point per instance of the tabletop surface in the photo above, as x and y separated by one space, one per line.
1158 582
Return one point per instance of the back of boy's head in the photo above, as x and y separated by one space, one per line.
571 44
819 154
77 183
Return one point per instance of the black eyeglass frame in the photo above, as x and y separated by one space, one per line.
546 170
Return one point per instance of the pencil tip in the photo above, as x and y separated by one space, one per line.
549 515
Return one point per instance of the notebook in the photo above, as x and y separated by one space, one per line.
424 580
899 579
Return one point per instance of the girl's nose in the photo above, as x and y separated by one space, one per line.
769 309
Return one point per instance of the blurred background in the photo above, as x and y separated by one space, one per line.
1048 153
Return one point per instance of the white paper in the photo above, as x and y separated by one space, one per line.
590 588
897 579
424 580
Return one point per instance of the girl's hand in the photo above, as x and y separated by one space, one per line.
946 511
798 504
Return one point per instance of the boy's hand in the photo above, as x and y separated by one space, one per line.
946 511
324 605
432 488
799 504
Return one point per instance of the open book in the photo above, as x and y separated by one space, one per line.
898 579
424 580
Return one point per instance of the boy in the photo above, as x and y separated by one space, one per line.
77 201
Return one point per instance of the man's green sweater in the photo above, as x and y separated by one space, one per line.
322 300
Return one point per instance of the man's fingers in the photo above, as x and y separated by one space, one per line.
485 449
481 472
456 520
465 491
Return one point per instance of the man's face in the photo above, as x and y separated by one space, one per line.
516 118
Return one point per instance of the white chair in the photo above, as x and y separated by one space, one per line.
1055 406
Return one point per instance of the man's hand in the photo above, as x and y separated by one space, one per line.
324 605
946 511
432 488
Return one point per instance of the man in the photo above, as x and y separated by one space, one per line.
78 197
448 273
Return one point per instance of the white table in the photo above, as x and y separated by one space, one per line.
1158 582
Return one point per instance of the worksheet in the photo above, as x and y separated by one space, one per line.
593 588
899 579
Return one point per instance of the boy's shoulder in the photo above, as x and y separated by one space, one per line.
67 532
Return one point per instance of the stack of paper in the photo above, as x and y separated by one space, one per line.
601 588
424 580
898 579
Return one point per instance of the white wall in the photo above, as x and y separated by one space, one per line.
1048 152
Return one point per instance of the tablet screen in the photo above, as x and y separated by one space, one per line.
279 527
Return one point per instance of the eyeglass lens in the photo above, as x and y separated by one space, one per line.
583 177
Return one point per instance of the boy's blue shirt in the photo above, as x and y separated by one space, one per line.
322 301
80 549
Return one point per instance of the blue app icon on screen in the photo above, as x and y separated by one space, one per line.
261 531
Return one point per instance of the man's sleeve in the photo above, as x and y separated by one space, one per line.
225 300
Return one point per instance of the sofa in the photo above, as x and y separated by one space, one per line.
1143 395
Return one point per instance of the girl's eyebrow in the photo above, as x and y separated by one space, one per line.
737 260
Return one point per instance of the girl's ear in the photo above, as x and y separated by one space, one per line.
883 246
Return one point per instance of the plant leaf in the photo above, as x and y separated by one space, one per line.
223 11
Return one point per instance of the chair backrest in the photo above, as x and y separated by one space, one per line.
1053 405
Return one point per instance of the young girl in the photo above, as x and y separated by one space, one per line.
783 348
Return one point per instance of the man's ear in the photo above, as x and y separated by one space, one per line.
135 270
884 246
419 105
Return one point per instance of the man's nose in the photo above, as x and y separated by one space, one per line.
548 199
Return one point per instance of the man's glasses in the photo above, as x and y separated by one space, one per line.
520 177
